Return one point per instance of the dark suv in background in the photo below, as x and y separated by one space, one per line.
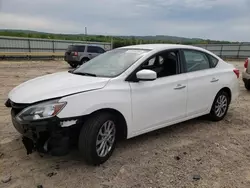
78 54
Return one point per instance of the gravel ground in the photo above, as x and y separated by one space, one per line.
196 153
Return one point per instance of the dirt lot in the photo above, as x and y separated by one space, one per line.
171 157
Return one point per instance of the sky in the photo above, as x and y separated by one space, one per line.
207 19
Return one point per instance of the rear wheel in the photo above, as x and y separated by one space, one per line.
84 60
73 65
97 138
220 106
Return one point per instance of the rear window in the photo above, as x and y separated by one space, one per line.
71 48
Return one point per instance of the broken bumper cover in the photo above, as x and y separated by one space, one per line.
45 136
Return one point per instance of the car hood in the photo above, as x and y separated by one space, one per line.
53 86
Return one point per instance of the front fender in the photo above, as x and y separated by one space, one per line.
88 102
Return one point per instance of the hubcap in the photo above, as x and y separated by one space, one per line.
105 138
221 106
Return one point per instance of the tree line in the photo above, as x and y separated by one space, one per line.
117 41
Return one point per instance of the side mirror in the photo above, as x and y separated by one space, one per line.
146 75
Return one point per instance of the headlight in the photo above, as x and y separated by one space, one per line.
41 111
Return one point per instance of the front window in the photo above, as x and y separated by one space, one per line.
111 63
164 64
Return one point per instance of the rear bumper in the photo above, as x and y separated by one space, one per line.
46 136
74 59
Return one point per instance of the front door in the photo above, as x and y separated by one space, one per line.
94 51
162 101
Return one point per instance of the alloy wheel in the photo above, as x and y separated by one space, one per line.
105 138
221 105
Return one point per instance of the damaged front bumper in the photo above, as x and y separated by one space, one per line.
53 135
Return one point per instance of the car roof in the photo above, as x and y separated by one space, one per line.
77 45
84 45
159 47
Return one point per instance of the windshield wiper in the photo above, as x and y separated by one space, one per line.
84 74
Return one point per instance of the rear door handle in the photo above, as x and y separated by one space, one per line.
214 80
179 86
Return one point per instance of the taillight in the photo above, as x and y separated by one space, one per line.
246 63
75 54
237 72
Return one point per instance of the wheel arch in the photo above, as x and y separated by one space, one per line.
211 114
84 58
228 91
122 123
225 89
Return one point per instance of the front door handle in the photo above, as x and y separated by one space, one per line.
179 86
214 80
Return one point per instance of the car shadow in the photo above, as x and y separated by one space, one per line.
165 131
145 139
74 159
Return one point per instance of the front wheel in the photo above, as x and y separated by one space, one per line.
97 138
220 106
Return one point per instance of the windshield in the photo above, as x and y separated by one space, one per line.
111 63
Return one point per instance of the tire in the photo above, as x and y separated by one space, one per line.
89 136
84 60
73 65
247 85
214 113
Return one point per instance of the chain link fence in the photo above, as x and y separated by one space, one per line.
15 47
32 47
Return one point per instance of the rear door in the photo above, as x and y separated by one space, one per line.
203 81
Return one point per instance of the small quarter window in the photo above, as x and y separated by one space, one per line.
214 61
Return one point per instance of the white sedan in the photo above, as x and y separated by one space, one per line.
122 93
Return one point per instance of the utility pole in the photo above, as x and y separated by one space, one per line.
111 43
86 31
